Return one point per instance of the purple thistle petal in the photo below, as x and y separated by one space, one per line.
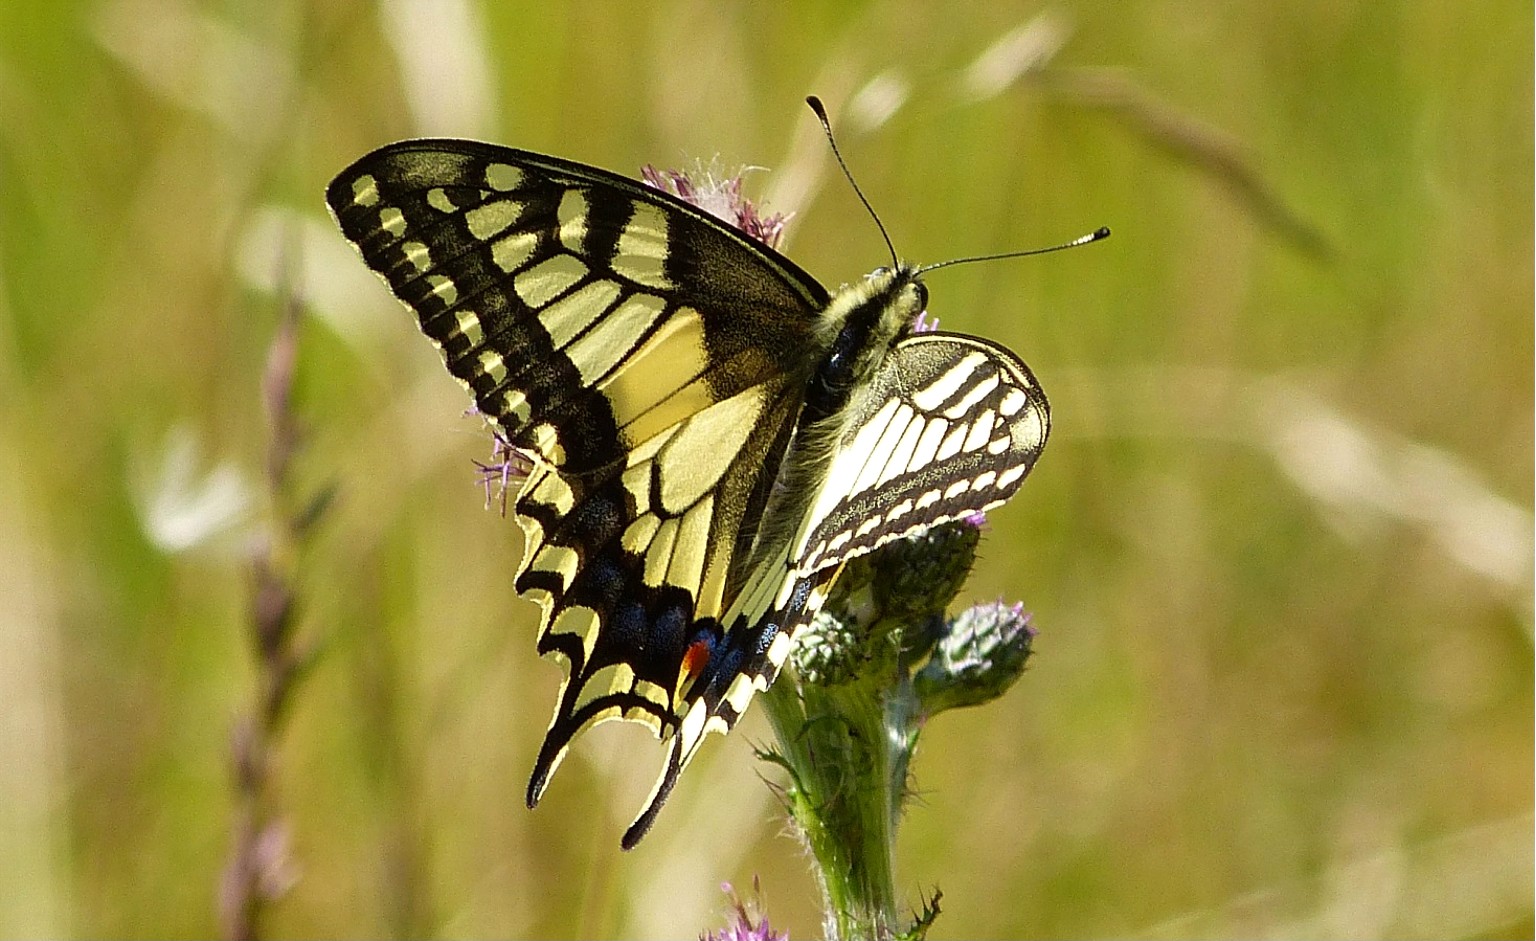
509 463
747 923
720 196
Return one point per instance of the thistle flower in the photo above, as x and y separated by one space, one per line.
509 463
747 923
719 194
924 323
979 657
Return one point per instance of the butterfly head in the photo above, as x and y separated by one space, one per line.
903 288
858 328
898 298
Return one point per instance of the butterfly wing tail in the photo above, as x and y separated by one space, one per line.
659 794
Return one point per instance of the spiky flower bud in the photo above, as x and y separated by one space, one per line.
919 576
980 656
886 608
826 652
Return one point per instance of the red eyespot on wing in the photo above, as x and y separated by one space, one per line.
696 657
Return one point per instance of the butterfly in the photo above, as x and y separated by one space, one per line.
711 432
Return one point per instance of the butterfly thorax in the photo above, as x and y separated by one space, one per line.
858 327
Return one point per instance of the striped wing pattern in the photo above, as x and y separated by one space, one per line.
949 428
650 358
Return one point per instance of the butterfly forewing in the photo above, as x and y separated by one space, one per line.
546 283
949 428
649 357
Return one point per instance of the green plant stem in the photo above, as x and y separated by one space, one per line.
848 716
840 795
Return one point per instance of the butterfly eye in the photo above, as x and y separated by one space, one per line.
922 295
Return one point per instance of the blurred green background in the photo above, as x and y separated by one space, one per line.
1279 549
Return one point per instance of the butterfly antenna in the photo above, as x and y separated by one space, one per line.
826 125
1096 235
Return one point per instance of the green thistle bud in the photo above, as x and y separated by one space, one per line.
919 576
979 657
886 608
827 652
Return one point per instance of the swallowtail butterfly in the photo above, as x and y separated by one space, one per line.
712 433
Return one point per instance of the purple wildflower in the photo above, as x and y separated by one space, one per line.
923 325
720 196
508 463
748 923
